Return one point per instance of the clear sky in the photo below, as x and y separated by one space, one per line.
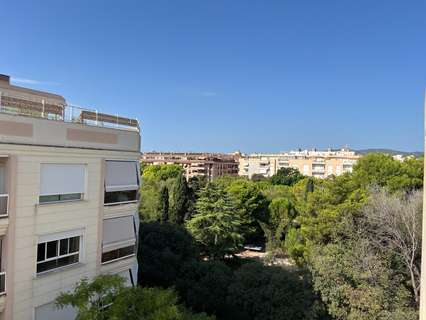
222 75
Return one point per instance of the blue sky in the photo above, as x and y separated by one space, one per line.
221 75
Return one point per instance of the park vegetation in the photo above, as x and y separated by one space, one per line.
354 241
351 245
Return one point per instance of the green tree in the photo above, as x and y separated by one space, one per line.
179 200
281 214
294 245
216 225
286 176
359 283
163 250
89 298
106 298
149 200
203 286
162 172
151 304
310 185
258 177
270 293
163 204
252 205
382 170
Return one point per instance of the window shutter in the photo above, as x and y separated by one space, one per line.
62 179
121 176
118 233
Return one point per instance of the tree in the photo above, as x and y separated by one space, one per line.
394 225
163 250
90 298
195 184
294 245
106 298
310 185
203 285
151 304
162 172
216 225
378 169
286 176
270 293
281 214
179 200
163 204
149 200
252 206
359 283
258 177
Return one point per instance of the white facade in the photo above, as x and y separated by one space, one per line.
314 163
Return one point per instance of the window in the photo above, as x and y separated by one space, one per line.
118 254
58 251
62 182
119 238
121 196
121 182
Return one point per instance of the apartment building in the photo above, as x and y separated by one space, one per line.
69 181
209 165
314 163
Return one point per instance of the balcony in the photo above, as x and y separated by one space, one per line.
65 113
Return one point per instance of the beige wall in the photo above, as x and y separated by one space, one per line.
36 131
268 164
26 290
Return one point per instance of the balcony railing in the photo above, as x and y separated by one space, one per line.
4 205
65 113
2 283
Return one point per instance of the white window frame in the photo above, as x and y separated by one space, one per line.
57 237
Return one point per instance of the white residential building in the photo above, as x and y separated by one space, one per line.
69 181
309 162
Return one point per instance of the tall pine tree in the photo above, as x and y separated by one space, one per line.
216 224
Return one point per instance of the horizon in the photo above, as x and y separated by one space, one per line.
220 76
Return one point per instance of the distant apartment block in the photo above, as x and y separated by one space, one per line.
209 165
69 181
314 163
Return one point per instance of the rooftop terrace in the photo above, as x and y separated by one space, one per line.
15 100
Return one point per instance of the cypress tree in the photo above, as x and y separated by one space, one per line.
163 205
179 200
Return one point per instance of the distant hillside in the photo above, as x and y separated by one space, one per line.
390 151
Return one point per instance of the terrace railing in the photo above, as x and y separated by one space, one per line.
65 113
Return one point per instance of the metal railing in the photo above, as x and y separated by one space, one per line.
4 205
65 113
2 283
